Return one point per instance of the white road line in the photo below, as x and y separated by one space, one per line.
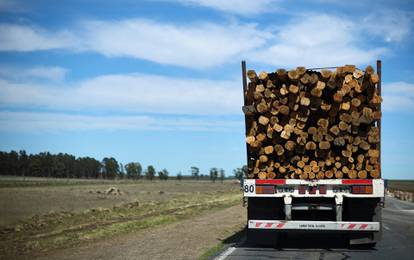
386 227
226 253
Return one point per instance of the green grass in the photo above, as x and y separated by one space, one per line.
212 251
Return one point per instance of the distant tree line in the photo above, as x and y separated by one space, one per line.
65 165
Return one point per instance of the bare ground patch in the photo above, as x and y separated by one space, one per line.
186 239
44 233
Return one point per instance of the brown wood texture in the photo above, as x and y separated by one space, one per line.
313 124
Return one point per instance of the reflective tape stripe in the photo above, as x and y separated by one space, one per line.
314 225
351 226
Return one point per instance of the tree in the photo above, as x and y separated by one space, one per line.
110 167
133 170
150 172
24 163
179 176
195 171
121 171
163 175
240 172
213 174
222 175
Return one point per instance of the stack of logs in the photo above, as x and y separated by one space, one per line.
307 124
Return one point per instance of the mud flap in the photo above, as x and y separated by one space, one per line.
262 237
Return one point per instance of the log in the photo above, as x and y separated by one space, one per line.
263 158
326 74
324 145
263 75
307 124
250 139
339 175
329 174
293 89
301 164
290 145
263 120
268 149
262 175
293 75
251 74
260 88
310 146
323 122
262 107
261 137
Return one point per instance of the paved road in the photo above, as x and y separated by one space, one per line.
397 241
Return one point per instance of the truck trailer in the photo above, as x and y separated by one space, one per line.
345 203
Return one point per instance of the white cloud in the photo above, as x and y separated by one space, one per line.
28 38
199 45
57 122
241 7
129 93
317 41
196 45
398 96
308 39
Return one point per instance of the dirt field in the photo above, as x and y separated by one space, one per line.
20 200
187 239
41 218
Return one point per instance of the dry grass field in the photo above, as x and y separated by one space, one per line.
402 185
39 216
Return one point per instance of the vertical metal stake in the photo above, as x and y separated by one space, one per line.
379 121
243 64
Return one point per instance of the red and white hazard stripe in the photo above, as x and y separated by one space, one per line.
269 225
354 226
314 225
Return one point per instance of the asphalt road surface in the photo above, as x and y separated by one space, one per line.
397 241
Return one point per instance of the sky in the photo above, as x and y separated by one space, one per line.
159 81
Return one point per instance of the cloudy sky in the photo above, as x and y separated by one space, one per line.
159 81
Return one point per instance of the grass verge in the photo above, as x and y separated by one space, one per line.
212 251
234 237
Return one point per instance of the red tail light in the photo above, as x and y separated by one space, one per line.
322 189
361 189
265 189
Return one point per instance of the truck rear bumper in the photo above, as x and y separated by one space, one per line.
280 225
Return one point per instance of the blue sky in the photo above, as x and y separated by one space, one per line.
158 81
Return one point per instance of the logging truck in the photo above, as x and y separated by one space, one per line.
313 153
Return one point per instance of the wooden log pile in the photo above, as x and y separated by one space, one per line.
313 124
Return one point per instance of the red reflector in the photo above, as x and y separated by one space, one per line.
265 189
274 182
302 189
322 189
362 182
